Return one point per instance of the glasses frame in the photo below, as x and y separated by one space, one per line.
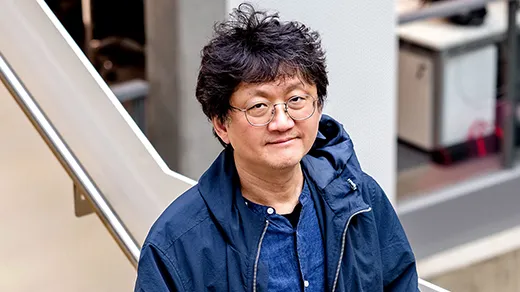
285 108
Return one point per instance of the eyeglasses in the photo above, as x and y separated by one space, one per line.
298 107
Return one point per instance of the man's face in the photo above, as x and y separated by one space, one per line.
283 142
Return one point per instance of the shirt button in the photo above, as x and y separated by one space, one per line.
306 283
270 211
247 204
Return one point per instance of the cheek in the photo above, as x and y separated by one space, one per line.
310 133
245 136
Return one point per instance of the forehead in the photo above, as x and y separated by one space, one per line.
280 86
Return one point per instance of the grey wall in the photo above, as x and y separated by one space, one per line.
176 32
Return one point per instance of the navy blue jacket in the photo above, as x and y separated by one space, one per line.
208 240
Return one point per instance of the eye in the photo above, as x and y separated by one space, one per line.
257 106
258 109
298 102
297 99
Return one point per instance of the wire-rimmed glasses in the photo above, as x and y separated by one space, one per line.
261 113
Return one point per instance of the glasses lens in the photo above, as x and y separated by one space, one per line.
259 113
301 107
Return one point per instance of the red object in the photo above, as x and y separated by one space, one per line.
477 132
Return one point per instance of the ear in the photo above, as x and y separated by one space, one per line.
221 129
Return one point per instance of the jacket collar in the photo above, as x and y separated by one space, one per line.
220 189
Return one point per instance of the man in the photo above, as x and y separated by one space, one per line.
285 206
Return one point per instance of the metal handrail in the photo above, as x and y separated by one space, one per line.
425 286
442 9
71 164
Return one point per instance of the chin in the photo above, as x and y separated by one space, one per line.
281 163
285 158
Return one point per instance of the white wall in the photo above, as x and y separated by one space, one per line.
359 39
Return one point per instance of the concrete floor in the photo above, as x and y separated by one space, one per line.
43 246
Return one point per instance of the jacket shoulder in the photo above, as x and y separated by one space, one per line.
397 256
183 214
372 193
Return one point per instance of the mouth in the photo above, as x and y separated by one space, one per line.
282 141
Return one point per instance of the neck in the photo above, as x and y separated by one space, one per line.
279 189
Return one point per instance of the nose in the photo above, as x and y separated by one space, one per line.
281 121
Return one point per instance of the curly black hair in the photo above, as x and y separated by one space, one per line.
256 47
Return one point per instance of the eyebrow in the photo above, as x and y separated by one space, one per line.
292 86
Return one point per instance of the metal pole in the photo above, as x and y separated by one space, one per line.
508 145
69 161
442 9
86 9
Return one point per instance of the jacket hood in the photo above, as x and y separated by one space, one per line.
332 154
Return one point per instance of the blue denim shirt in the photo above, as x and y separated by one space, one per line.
294 256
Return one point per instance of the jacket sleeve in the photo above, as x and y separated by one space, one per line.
156 272
397 258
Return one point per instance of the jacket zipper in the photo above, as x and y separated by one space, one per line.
258 254
343 245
